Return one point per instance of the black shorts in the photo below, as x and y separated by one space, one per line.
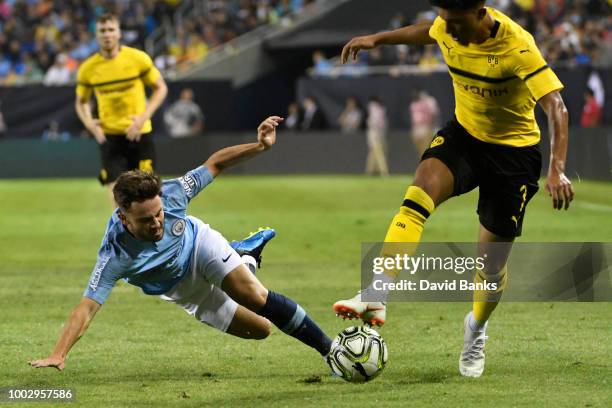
507 176
119 155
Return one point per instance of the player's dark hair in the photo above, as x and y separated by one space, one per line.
103 18
457 4
135 186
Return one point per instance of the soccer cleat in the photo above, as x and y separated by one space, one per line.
254 244
472 359
372 313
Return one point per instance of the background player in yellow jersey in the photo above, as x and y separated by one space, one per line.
117 75
492 143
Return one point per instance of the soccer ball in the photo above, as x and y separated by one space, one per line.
358 354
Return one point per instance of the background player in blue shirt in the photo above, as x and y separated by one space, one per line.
151 242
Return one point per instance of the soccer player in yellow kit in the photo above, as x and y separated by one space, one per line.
117 75
498 77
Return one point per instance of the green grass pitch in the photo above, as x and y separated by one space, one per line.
140 351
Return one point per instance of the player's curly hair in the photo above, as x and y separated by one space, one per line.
135 186
457 4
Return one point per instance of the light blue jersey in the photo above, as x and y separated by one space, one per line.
153 266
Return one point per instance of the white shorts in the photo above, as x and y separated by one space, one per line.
199 292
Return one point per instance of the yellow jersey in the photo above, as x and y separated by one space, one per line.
497 83
119 86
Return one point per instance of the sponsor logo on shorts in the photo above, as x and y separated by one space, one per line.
178 227
437 141
226 258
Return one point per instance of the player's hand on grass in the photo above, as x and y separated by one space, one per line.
97 132
132 133
56 362
266 131
353 47
560 188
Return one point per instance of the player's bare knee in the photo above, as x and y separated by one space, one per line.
262 331
260 296
435 178
427 184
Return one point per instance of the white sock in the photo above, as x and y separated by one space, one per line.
250 262
475 325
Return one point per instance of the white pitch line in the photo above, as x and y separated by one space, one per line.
593 206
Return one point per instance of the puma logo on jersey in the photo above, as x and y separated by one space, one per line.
448 49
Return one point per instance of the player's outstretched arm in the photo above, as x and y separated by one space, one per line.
230 156
559 187
416 34
73 329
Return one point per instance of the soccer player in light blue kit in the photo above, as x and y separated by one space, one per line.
152 243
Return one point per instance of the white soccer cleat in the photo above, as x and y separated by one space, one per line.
472 359
372 313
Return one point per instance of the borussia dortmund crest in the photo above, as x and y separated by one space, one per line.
437 141
493 61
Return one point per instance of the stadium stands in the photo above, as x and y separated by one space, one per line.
43 41
569 33
36 32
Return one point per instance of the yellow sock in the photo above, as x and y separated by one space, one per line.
407 225
486 301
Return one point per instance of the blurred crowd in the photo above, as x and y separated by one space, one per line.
570 32
46 40
221 22
576 32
